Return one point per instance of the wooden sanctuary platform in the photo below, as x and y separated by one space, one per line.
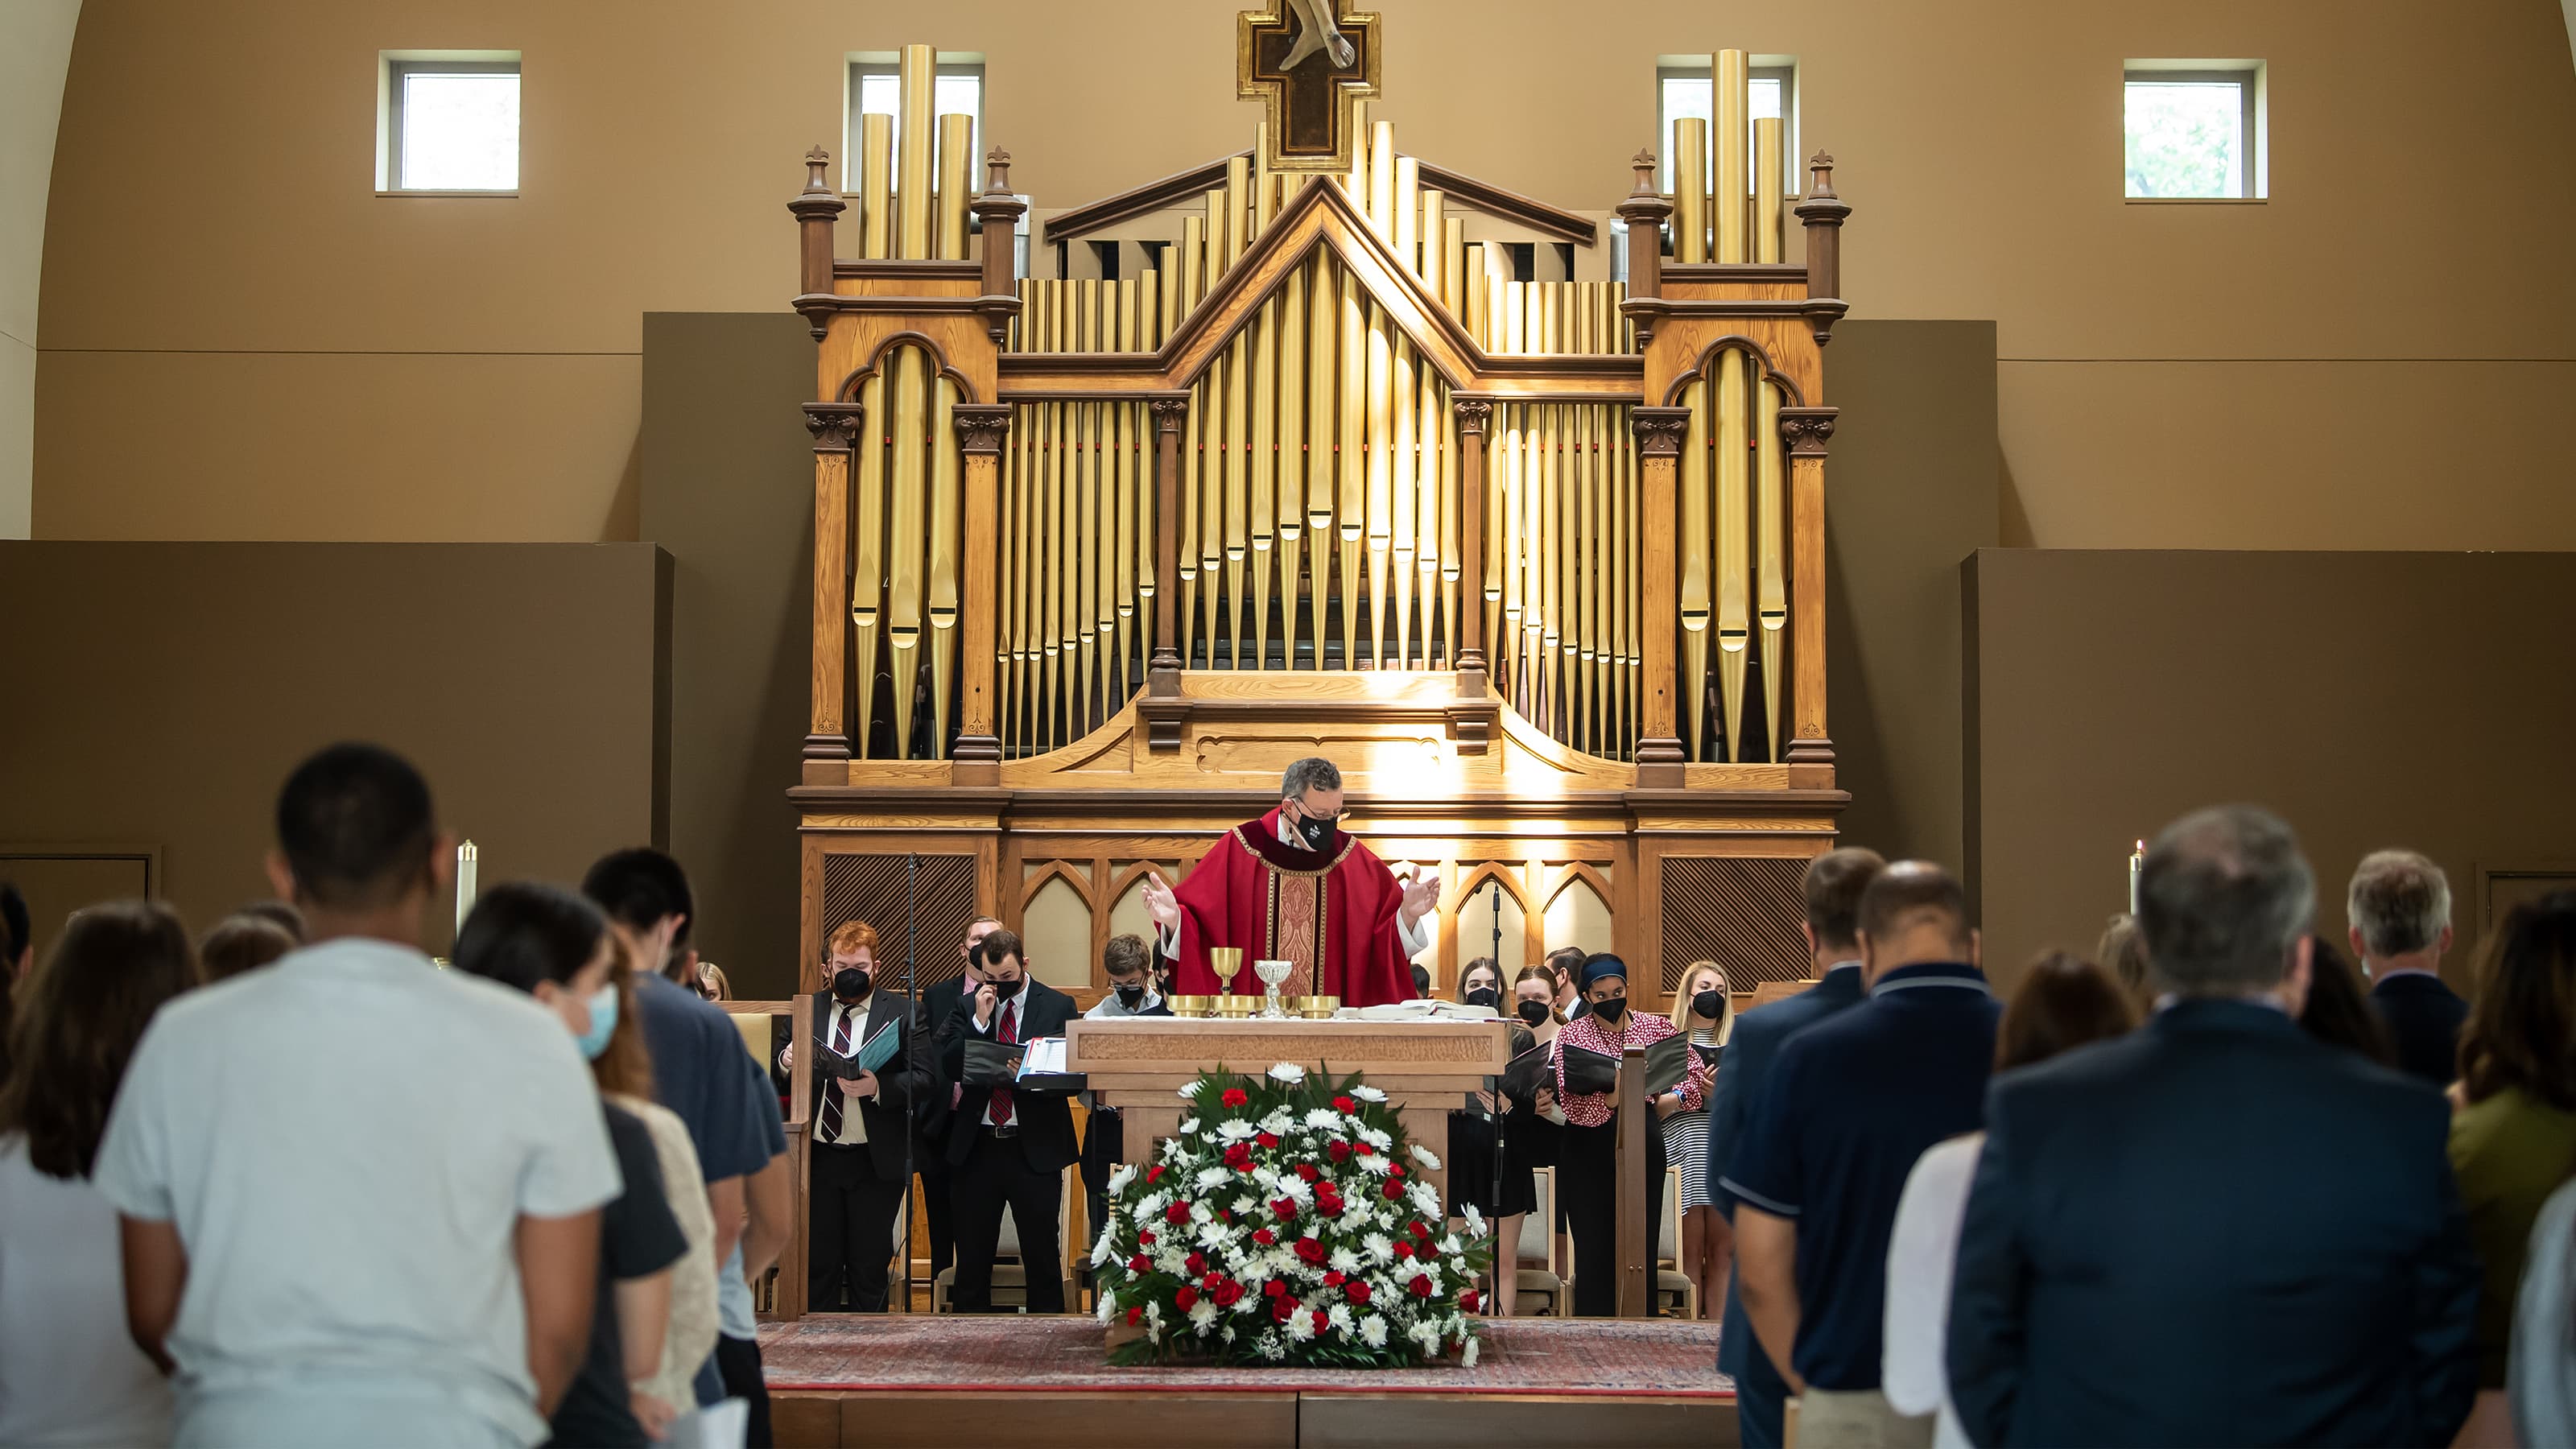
949 1380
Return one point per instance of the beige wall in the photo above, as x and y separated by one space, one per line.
35 50
242 340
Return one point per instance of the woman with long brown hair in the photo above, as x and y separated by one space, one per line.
69 1370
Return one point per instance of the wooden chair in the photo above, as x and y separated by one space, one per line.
1538 1240
1670 1281
1010 1271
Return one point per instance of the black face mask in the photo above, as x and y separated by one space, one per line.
1611 1010
1004 990
1131 995
1532 1012
1484 996
1711 1004
1317 833
850 983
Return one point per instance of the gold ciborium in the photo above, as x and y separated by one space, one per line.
1192 1006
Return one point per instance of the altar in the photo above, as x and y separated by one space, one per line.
1138 1064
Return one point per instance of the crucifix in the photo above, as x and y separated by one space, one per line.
1310 62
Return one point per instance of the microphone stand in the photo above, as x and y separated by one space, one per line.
1500 1265
914 1013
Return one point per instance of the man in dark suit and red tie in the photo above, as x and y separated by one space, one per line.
859 1125
1007 1148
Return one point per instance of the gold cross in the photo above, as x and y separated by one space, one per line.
1310 62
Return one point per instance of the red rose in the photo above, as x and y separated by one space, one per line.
1339 1151
1421 1231
1135 1316
1145 1236
1403 1249
1321 1318
1273 1288
1345 1104
1187 1298
1212 1279
1283 1308
1224 1215
1266 1139
1239 1157
1307 1171
1154 1174
1310 1250
1394 1191
1196 1263
1235 1097
1227 1294
1334 1279
1177 1214
1367 1151
1357 1290
1139 1264
1264 1236
1395 1169
1468 1300
1284 1209
1420 1287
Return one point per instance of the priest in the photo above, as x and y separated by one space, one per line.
1293 886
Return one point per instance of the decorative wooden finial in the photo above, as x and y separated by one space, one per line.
815 162
997 170
1823 167
1644 161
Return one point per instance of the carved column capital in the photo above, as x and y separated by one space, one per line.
1473 413
981 426
1659 430
1804 430
835 426
1169 413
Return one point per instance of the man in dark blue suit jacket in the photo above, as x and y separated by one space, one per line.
2216 1230
2400 907
1833 886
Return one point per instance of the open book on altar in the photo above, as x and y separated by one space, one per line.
872 1054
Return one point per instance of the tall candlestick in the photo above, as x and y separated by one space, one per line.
2137 868
465 862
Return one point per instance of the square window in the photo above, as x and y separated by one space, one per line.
1686 90
449 124
876 89
2193 130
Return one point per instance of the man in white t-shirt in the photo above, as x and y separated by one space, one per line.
360 1195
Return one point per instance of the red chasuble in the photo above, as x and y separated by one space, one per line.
1330 912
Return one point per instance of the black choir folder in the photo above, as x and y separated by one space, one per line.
1010 1064
872 1054
1526 1073
1588 1072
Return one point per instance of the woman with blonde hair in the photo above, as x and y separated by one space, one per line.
1701 1008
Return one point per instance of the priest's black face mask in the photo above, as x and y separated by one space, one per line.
1314 815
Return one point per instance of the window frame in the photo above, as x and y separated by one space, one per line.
1781 68
394 68
947 65
2251 79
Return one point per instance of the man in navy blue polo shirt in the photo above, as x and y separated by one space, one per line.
1847 1107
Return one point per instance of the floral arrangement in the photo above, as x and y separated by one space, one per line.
1288 1223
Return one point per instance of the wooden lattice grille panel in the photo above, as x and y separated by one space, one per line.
871 888
1741 912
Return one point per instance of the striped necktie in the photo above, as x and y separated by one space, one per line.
832 1085
1008 1031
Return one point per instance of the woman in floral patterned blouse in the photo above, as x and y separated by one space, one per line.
1587 1173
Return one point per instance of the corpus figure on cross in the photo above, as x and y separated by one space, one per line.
1291 886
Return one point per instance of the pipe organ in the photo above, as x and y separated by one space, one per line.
1379 462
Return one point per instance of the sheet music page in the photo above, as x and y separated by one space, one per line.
1046 1054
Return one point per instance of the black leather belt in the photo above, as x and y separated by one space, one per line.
1004 1132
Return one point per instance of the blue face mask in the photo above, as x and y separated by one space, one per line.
603 1022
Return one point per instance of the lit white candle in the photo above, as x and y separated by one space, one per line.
2137 868
465 862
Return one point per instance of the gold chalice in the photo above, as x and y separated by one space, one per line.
1227 963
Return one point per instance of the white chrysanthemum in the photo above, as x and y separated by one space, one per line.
1278 1122
1227 1333
1192 1089
1154 1314
1377 1165
1423 1156
1212 1233
1368 1094
1235 1129
1340 1318
1118 1180
1374 1138
1189 1125
1343 1260
1295 1189
1173 1259
1425 1198
1379 1247
1108 1307
1244 1205
1101 1251
1301 1325
1430 1270
1467 1355
1265 1175
1426 1334
1174 1149
1373 1331
1288 1072
1202 1214
1151 1205
1475 1221
1451 1247
1202 1313
1324 1119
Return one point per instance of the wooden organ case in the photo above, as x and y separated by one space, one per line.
1539 564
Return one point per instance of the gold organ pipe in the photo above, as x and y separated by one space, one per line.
1013 641
1516 336
1599 577
1291 464
1236 537
1381 480
1768 178
1435 244
1403 462
947 511
1452 564
876 193
1733 142
1626 601
1323 305
1429 408
912 188
1264 191
1690 189
1500 451
956 164
1193 272
1120 556
1771 604
1406 217
1694 592
1533 591
867 572
1084 605
1547 543
1217 467
1263 465
1473 312
1381 179
1351 505
1357 183
905 531
1456 269
1734 553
